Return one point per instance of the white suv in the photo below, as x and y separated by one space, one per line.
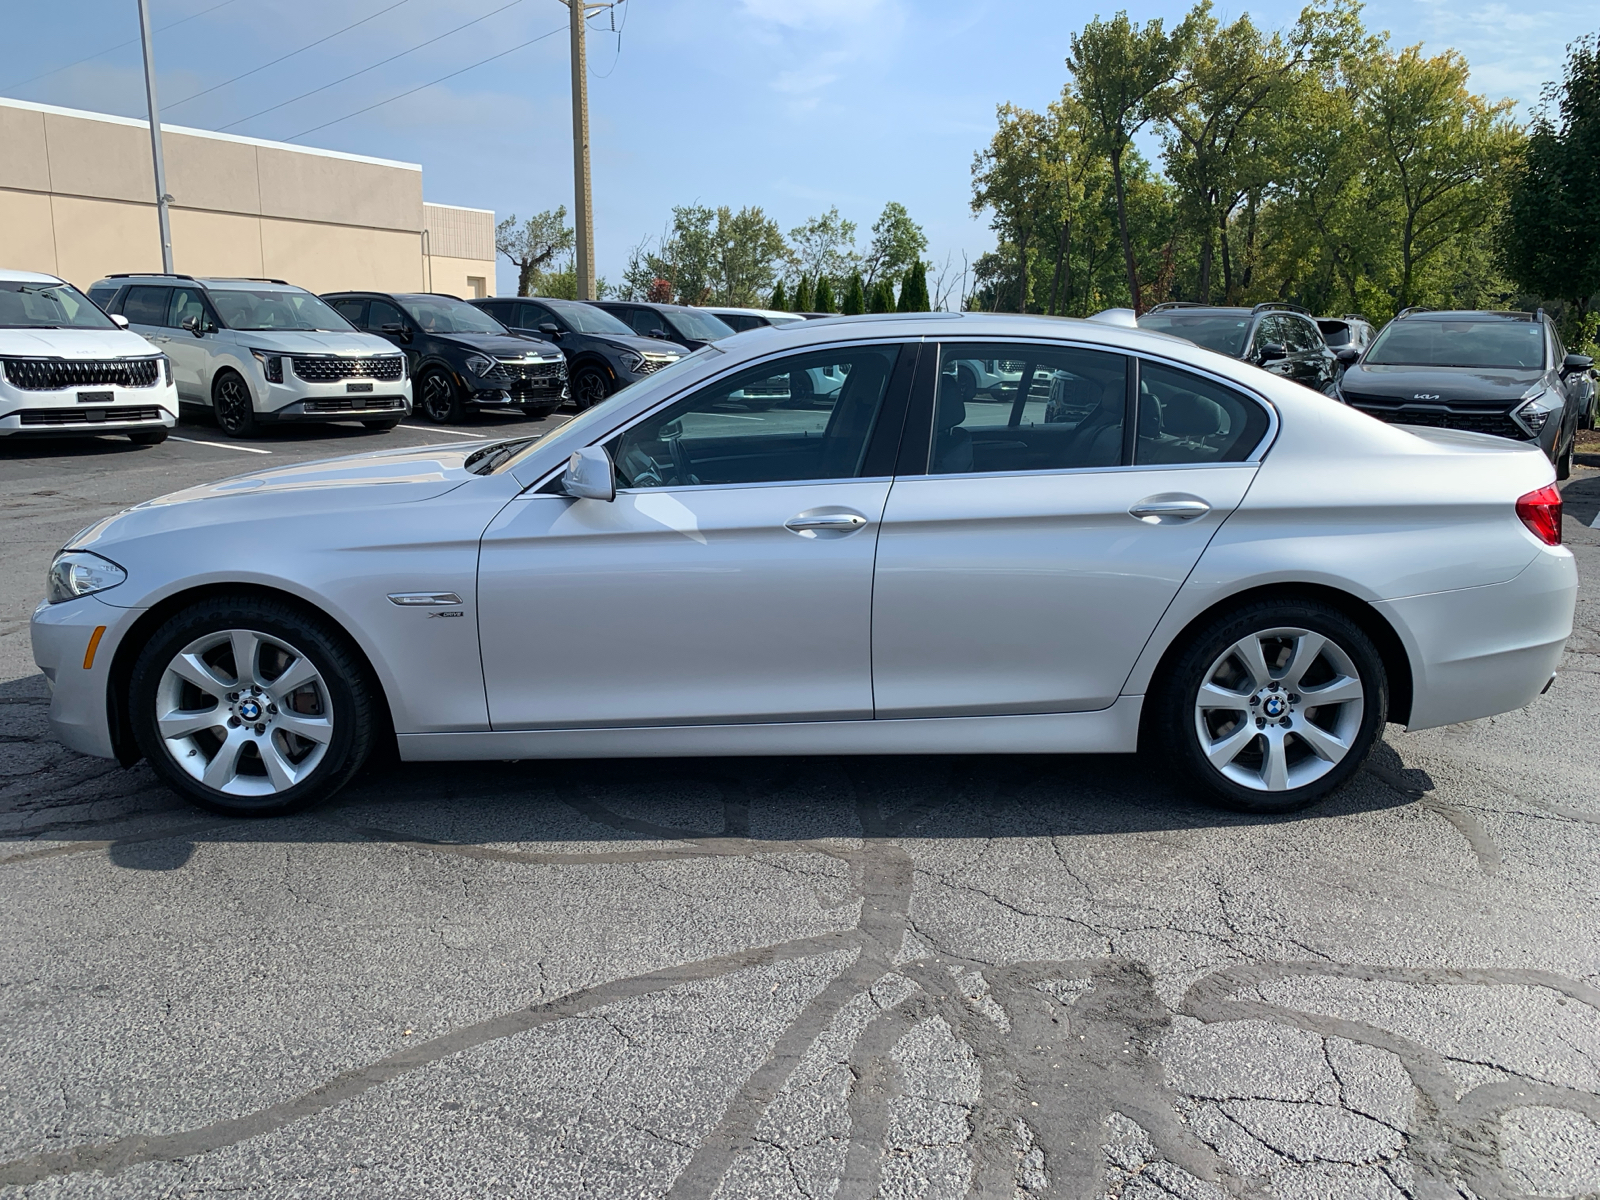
260 351
66 367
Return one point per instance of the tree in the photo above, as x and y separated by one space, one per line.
535 244
824 299
824 247
914 291
1021 178
855 297
780 298
804 298
1123 75
897 242
881 298
1549 239
709 256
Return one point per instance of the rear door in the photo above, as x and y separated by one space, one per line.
1028 553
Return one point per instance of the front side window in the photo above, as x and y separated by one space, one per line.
48 306
1303 335
1020 407
531 316
444 314
645 321
383 313
146 305
1186 418
271 309
810 416
1472 342
189 302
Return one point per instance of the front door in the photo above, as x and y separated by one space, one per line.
1024 572
731 578
191 351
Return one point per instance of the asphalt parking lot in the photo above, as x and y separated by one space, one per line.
907 977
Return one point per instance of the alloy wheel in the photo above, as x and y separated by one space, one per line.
438 398
244 713
1279 709
234 407
588 389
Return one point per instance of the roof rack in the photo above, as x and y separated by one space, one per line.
1415 308
1279 306
248 279
148 274
1177 304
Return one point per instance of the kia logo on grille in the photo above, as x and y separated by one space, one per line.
1424 396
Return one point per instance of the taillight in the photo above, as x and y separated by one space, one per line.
1541 512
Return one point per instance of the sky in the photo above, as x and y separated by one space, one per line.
793 105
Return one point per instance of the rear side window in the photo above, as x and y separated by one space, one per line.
354 311
1186 418
146 305
1023 407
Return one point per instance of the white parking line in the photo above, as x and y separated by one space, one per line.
219 445
451 432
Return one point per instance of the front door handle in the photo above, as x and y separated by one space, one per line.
825 523
1169 510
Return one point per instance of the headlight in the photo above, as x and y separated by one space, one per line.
480 364
1533 415
166 370
631 360
271 365
77 573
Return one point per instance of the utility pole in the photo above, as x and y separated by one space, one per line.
162 199
583 198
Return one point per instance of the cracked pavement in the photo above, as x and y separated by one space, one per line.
902 977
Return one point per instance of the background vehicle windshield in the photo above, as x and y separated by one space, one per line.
700 325
1493 343
586 318
240 308
441 314
48 306
1224 333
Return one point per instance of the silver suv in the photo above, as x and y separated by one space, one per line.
260 351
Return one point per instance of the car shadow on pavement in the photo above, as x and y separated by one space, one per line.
1581 498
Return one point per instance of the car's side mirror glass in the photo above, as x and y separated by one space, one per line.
399 331
1347 354
589 475
120 321
1271 353
1576 362
550 329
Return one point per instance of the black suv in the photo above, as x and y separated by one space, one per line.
1504 373
460 357
603 354
1282 338
691 327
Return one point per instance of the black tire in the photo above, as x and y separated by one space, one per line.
285 632
590 385
438 397
382 424
1172 728
233 405
148 437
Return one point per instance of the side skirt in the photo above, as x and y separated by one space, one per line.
1113 730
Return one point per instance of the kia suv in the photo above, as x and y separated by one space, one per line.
603 355
1503 373
461 357
691 327
1281 338
261 351
67 368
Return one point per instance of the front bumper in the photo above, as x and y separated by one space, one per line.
79 713
86 411
353 397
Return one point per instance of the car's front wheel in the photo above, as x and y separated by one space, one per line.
440 398
589 387
234 406
251 706
1271 708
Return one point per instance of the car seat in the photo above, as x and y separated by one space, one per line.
952 447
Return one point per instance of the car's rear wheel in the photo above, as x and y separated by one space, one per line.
440 398
234 407
250 706
589 387
148 437
1271 708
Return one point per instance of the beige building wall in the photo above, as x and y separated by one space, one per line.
77 200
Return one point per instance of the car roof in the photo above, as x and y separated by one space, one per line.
826 330
653 304
215 283
7 275
1471 314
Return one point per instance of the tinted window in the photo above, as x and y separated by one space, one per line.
264 309
586 318
146 305
1336 333
806 417
1270 332
739 322
701 326
383 313
644 321
1011 407
103 296
1185 418
1222 332
531 316
1464 343
189 302
1303 335
48 305
354 311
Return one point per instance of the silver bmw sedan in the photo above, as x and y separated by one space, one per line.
931 533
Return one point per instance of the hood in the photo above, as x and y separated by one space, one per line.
1439 384
501 345
642 345
308 341
74 343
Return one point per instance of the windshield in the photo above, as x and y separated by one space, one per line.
701 326
442 314
1222 332
586 318
1480 343
242 308
48 306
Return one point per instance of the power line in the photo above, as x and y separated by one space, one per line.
373 67
421 87
120 45
289 55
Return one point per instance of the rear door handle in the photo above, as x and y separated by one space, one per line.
1169 510
826 522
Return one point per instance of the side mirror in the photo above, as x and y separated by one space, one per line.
1271 353
659 333
120 321
550 330
193 325
589 475
399 331
1576 362
1347 354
